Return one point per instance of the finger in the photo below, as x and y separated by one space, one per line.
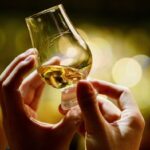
17 60
65 129
30 112
12 98
34 79
81 128
89 106
32 87
121 94
37 94
53 61
15 78
110 112
31 90
70 123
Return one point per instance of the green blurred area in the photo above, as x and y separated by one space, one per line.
110 38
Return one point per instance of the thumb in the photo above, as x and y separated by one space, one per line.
92 116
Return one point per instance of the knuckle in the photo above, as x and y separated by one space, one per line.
138 121
141 121
21 67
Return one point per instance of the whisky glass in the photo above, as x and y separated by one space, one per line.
53 34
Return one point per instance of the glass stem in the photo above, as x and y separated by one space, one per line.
68 97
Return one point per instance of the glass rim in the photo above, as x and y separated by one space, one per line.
51 9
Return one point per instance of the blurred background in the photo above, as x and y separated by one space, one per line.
118 34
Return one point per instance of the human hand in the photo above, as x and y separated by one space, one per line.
31 89
23 131
124 133
109 111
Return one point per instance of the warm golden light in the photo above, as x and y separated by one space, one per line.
102 56
127 71
2 38
83 34
48 110
72 52
144 60
63 44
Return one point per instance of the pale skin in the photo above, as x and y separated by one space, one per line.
19 101
124 133
106 126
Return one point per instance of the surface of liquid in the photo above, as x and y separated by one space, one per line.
61 76
75 64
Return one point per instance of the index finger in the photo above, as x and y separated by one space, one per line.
15 62
121 94
11 98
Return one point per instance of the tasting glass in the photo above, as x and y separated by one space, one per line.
53 34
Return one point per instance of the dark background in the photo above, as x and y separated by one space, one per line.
120 9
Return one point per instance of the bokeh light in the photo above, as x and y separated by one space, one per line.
127 71
72 52
144 60
102 53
